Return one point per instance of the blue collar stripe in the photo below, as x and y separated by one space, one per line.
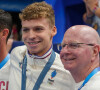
89 76
4 61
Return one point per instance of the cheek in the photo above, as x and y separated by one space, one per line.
48 37
61 54
88 56
24 36
88 52
61 57
85 56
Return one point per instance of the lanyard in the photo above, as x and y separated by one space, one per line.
42 74
89 76
24 65
4 61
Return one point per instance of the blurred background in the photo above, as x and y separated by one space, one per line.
67 13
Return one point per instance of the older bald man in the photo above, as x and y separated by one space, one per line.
80 55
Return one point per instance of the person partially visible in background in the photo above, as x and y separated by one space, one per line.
14 41
5 31
11 44
14 34
92 15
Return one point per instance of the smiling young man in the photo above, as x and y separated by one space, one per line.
5 31
80 55
36 66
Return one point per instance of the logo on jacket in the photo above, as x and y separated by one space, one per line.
53 74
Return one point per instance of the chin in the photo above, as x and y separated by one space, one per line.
32 52
67 67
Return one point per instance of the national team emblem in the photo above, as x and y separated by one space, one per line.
53 74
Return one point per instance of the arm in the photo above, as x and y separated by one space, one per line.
91 10
97 11
93 6
88 16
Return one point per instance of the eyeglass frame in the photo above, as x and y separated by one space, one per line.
69 45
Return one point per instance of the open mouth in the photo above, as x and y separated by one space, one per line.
33 43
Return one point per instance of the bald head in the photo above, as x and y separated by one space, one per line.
80 51
84 32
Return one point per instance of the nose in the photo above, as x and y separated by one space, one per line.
32 34
65 52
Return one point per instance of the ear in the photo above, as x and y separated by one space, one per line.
99 48
5 33
54 31
95 51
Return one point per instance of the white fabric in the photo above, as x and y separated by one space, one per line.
62 81
92 84
4 76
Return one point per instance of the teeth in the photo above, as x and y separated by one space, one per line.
33 43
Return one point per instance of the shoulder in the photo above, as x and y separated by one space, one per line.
18 53
96 77
57 55
57 58
93 83
57 63
19 49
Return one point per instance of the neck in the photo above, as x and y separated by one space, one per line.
40 54
3 53
80 75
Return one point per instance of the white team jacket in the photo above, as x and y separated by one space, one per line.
4 76
62 81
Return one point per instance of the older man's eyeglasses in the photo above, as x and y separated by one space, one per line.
71 45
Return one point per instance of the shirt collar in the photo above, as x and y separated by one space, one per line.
48 53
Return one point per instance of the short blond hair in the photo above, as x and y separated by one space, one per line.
38 10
